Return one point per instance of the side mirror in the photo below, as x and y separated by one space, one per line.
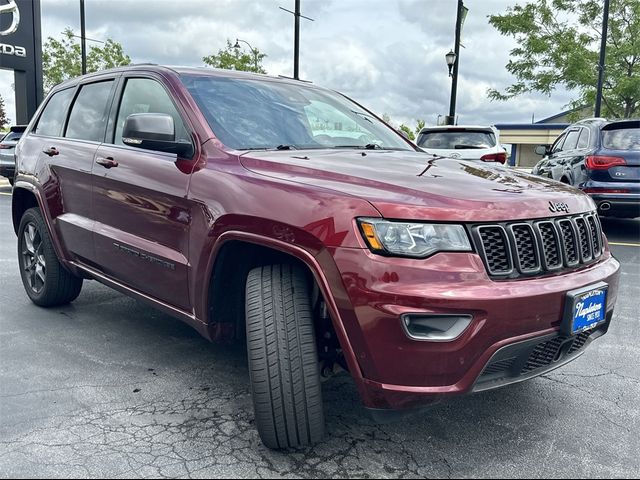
542 150
154 131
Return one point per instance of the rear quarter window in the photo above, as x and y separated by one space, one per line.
54 114
583 141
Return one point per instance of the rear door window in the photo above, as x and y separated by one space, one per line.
55 112
572 141
88 118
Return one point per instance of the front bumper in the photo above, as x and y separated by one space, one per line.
398 372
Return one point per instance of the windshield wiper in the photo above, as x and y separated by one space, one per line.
279 147
368 146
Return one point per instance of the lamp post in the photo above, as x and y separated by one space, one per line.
453 60
296 37
255 53
83 41
601 63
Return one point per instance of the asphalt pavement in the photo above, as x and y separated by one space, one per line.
109 387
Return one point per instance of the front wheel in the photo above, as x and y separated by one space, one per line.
45 280
283 360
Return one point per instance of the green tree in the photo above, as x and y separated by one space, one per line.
4 120
419 126
62 58
234 58
408 131
558 45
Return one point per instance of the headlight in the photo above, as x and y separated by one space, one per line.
413 239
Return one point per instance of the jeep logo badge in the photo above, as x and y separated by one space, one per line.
558 207
11 8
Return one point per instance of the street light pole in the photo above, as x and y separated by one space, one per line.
603 50
296 42
454 83
83 42
254 51
296 38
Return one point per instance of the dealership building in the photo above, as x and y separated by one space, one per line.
524 137
21 52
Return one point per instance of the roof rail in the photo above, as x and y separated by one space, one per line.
593 119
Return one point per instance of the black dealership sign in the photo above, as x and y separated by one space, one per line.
21 51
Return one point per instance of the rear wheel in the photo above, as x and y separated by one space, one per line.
45 280
283 361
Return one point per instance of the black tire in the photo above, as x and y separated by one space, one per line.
283 360
46 281
11 180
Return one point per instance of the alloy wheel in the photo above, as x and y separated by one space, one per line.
33 261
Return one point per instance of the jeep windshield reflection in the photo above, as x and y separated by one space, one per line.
248 114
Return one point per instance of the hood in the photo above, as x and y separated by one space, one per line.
413 185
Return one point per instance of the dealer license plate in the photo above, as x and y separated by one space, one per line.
588 308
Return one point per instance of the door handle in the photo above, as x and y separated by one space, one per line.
51 151
108 162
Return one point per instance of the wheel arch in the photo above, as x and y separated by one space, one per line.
24 197
254 250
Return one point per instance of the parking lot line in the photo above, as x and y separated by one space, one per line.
624 244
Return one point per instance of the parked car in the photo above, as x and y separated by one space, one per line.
7 149
467 142
207 194
602 159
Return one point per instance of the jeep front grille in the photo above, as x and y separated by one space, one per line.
537 247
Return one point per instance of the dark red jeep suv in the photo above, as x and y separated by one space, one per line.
290 217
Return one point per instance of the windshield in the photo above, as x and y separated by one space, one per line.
622 139
456 139
261 114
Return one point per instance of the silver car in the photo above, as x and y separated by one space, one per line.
7 152
466 142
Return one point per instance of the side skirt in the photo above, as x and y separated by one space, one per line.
187 317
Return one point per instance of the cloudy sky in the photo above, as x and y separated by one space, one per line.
386 54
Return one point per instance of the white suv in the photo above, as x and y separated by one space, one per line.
467 142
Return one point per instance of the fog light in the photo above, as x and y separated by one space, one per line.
434 327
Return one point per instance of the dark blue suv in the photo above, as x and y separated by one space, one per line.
602 159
